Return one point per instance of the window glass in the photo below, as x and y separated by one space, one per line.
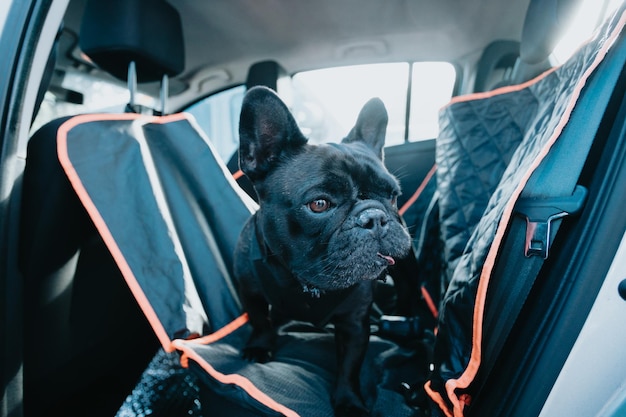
326 102
432 86
81 93
218 116
591 13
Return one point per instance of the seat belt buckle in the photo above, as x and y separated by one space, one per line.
540 213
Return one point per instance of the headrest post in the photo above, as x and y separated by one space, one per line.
132 86
164 95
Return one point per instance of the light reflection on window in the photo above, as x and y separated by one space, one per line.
327 102
590 14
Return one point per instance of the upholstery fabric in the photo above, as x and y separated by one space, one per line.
513 129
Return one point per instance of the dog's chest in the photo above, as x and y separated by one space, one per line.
289 297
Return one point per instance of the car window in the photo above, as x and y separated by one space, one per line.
590 14
432 86
81 93
218 116
326 102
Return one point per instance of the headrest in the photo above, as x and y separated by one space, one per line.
115 32
496 64
543 26
265 73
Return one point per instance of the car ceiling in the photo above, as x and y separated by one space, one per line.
223 38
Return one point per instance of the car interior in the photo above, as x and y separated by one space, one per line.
129 208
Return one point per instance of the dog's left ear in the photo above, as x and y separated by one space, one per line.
371 126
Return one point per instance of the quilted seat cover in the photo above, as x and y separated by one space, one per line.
489 146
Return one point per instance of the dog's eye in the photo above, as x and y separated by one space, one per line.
394 200
319 205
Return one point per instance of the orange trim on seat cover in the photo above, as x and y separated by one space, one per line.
188 352
417 192
237 174
437 398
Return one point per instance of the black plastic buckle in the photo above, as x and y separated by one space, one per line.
541 212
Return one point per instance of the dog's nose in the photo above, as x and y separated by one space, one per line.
372 218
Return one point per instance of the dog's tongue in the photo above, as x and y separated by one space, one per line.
387 258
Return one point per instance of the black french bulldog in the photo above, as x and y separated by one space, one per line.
326 230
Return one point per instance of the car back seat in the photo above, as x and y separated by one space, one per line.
166 295
170 231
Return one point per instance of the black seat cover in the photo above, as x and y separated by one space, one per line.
78 308
476 132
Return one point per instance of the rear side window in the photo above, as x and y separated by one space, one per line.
78 93
326 102
218 116
590 14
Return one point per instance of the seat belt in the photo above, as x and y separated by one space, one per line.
550 195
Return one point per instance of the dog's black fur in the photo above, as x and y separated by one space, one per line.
326 230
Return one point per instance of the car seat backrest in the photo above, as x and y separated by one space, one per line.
172 229
472 155
76 300
491 146
496 64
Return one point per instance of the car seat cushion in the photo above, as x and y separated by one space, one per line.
299 379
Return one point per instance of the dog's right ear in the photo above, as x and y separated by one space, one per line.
267 132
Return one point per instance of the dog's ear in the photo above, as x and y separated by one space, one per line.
267 131
371 126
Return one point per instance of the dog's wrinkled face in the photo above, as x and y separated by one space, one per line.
328 212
